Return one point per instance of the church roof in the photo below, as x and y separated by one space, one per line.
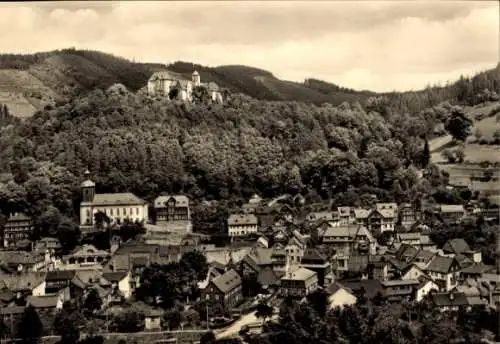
125 198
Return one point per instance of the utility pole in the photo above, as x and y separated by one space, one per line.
207 315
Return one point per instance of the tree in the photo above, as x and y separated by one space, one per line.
458 125
426 155
195 261
30 328
264 311
208 338
92 302
128 321
101 219
67 324
319 302
69 234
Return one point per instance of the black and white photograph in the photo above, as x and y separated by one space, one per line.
250 172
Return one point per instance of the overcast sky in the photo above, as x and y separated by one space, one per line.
372 45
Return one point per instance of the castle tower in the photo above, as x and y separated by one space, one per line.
196 79
88 188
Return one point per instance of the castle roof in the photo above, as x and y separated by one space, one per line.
163 75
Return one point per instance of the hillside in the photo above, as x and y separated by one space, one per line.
29 82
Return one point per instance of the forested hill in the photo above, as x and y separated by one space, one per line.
131 142
29 82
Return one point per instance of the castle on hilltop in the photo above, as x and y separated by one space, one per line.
167 85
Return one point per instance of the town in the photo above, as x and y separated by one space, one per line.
274 251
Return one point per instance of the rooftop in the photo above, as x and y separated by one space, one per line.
242 219
125 198
301 274
227 281
179 200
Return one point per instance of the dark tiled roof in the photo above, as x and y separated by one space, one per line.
477 269
114 276
449 299
456 246
371 287
227 281
60 275
125 198
440 264
312 254
47 301
268 276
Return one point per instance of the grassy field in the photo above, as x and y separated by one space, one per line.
478 153
487 127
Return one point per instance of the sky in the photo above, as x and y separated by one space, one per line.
374 45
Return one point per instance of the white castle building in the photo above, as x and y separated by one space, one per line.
166 84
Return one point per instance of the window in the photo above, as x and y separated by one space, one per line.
111 212
136 211
124 211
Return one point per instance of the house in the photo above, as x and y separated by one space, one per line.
451 213
331 217
340 296
242 225
378 270
398 290
84 257
268 278
454 301
475 271
278 258
167 84
346 216
46 302
295 248
253 203
423 258
367 287
120 281
58 280
118 207
406 253
375 220
412 272
455 246
173 210
425 287
19 227
152 319
23 261
313 260
47 244
348 240
299 283
411 238
444 271
257 259
224 289
25 284
409 215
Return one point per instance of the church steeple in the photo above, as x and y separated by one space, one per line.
88 188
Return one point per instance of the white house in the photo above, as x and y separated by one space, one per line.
121 280
242 224
424 288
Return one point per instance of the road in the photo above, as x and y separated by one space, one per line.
234 329
439 142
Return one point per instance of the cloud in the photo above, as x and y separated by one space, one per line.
370 45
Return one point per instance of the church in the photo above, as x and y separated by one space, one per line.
118 207
166 84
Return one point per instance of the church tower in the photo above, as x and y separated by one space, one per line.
196 79
88 188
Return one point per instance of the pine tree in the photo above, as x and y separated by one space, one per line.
426 155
